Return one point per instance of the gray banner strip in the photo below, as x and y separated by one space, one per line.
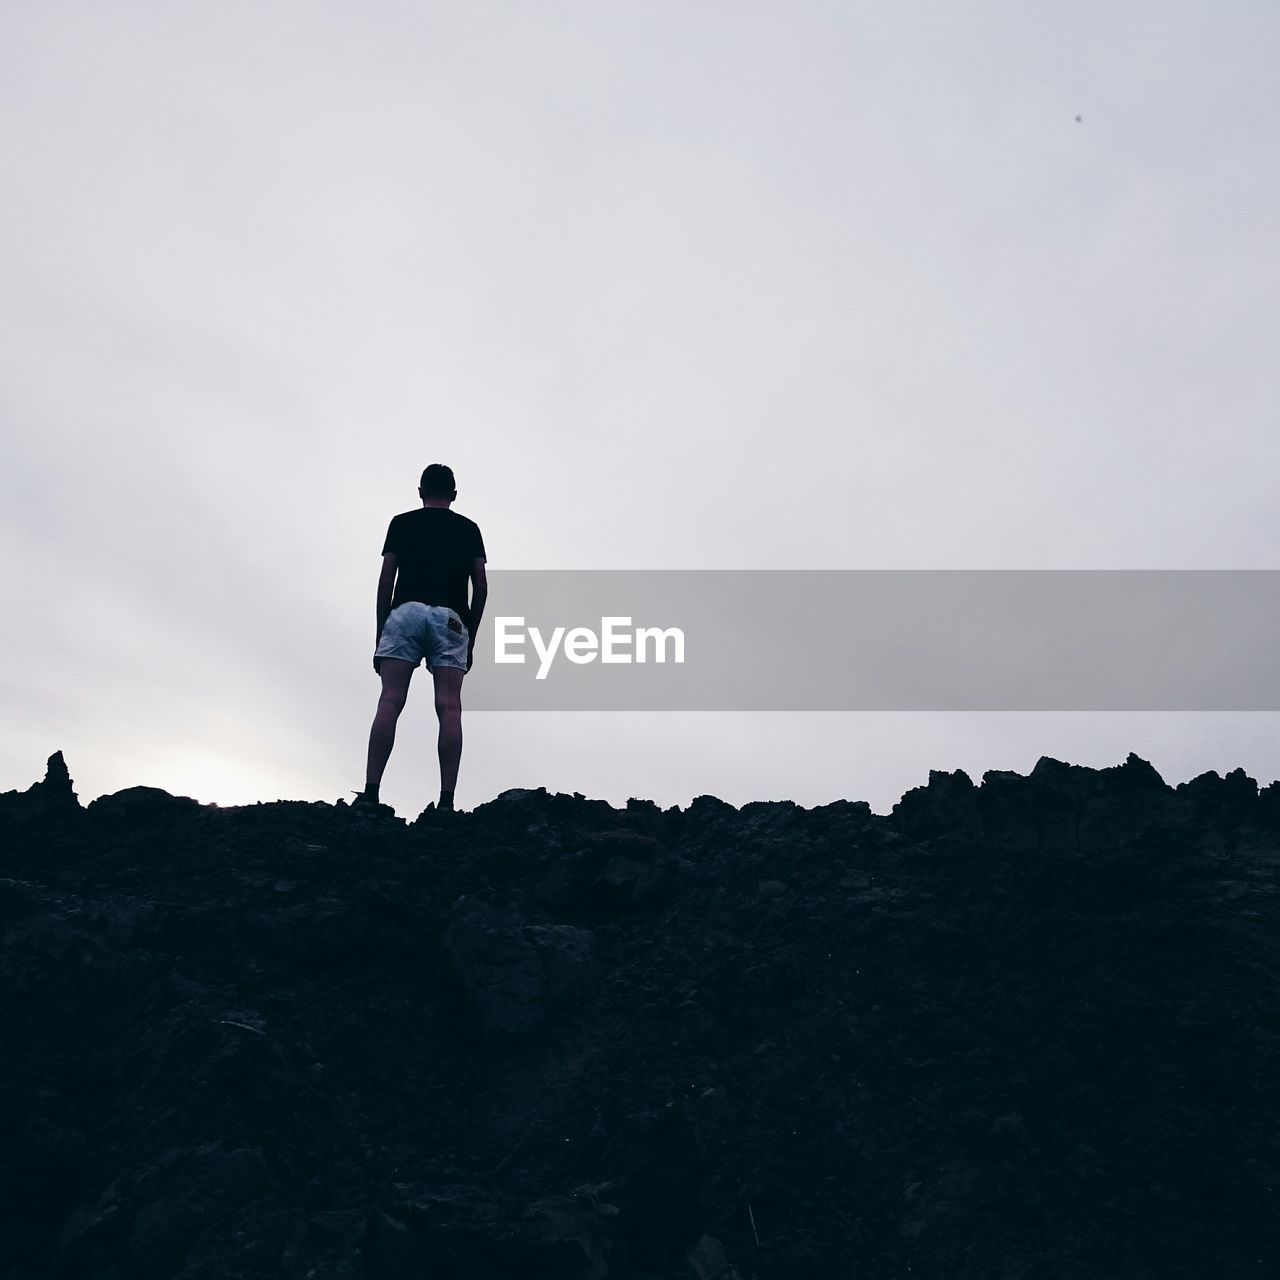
879 640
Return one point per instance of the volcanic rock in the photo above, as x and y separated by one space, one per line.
1020 1028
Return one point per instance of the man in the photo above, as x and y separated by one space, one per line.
429 557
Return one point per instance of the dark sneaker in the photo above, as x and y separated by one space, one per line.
367 804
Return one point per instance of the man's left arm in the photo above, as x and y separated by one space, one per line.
479 594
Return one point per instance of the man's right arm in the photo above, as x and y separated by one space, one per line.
386 586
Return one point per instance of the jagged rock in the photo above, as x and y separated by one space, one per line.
1042 810
49 800
513 794
648 818
946 806
703 816
1136 774
1228 799
59 793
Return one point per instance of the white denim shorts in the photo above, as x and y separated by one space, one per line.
414 631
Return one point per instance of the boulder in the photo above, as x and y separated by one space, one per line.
142 804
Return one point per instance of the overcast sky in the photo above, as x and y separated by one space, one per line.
694 285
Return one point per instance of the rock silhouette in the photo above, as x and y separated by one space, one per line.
1027 1028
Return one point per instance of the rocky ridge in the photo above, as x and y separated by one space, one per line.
1028 1028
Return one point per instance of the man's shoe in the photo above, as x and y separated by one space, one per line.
367 804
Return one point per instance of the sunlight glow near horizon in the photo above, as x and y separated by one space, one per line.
209 778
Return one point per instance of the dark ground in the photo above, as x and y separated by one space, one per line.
1021 1031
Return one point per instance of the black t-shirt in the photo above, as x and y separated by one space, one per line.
434 549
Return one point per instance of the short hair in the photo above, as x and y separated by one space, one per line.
437 481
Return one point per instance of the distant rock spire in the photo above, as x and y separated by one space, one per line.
57 783
52 797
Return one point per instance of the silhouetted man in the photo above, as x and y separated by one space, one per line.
430 556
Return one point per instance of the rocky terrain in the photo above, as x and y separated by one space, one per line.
1021 1030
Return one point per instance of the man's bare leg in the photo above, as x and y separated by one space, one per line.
448 681
396 674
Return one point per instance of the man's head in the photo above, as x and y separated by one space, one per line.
437 484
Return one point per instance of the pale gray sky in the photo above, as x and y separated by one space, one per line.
699 285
